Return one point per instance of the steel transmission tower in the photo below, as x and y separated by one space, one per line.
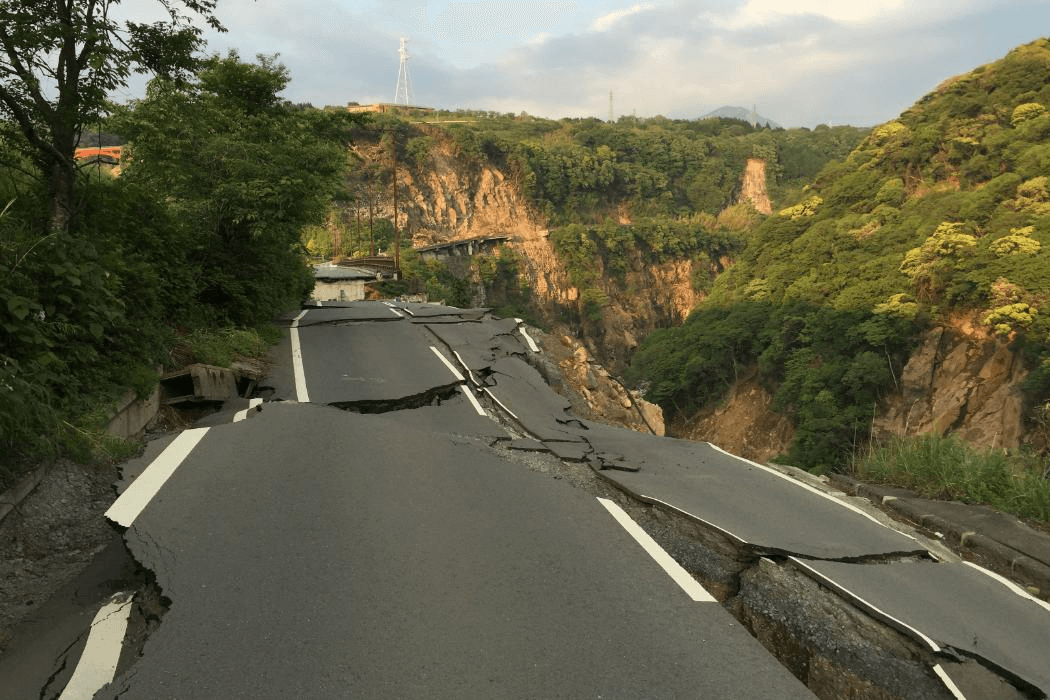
403 95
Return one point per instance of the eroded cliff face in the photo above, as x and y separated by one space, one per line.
753 186
446 199
960 380
650 296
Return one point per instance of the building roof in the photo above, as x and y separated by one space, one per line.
330 271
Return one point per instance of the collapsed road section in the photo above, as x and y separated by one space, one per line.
752 529
289 529
775 530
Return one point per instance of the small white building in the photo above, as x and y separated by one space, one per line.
340 282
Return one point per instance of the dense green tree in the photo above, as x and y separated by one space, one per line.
243 173
58 61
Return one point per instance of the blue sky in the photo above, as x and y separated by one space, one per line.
801 62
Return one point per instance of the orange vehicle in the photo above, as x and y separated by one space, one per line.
106 154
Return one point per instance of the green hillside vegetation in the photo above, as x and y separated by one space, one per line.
670 178
943 210
195 245
587 171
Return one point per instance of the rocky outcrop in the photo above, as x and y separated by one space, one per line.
960 380
744 423
446 198
650 296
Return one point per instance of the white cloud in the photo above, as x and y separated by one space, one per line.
604 23
766 11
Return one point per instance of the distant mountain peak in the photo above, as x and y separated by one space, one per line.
748 115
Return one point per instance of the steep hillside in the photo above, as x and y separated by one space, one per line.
901 290
614 225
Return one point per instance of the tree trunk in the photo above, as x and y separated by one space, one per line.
60 196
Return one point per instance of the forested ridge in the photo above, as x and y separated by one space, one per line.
945 210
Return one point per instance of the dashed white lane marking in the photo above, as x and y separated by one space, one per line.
301 394
448 364
137 496
473 400
98 662
528 338
948 682
679 575
241 415
396 312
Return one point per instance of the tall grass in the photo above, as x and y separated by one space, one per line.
221 346
935 466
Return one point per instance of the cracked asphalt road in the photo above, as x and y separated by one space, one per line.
309 551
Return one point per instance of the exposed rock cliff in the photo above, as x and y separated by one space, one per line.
963 381
446 199
960 380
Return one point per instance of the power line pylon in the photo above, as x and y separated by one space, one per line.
403 94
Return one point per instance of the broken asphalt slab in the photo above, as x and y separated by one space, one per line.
520 390
360 311
1001 540
437 313
429 570
754 505
479 345
339 362
955 605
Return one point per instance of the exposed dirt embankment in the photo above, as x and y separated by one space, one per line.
744 423
446 198
753 187
959 380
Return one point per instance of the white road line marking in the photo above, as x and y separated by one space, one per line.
1010 584
448 364
834 585
948 682
501 404
301 394
680 576
98 662
528 338
137 496
396 312
241 415
473 400
815 490
470 374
